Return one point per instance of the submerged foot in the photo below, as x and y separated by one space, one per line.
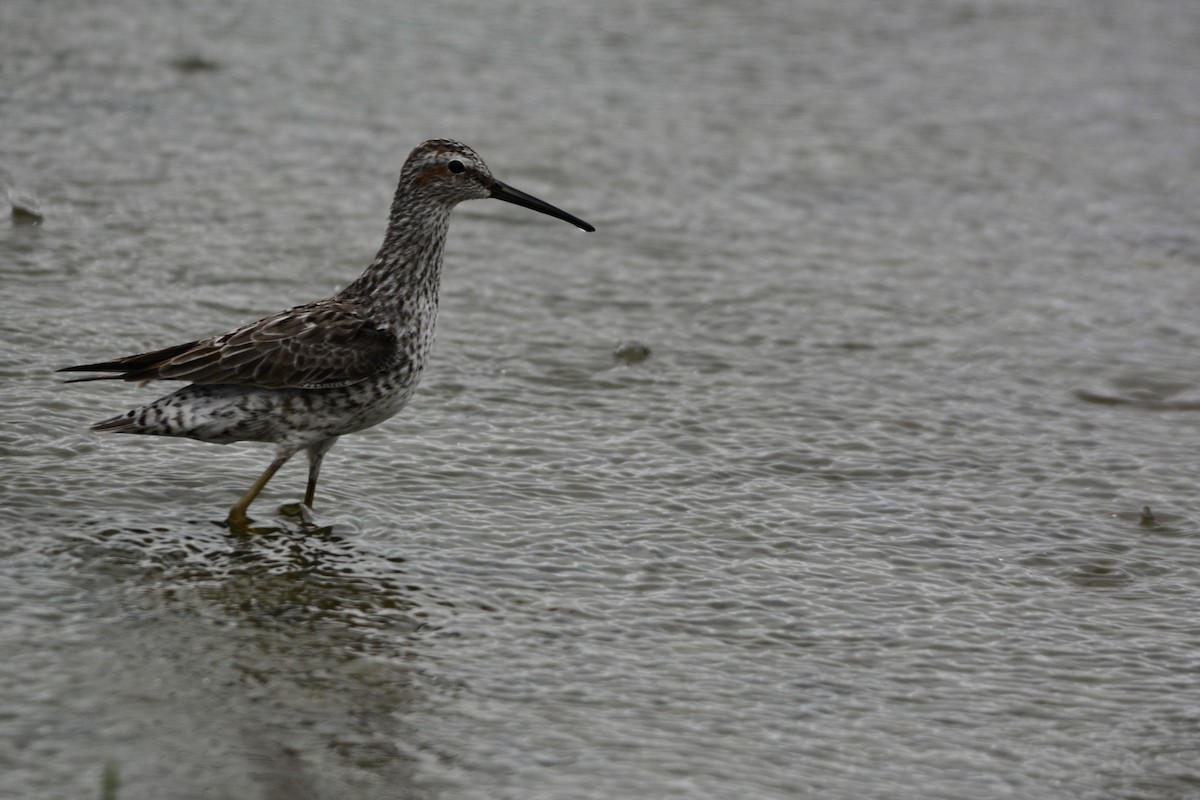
239 523
300 511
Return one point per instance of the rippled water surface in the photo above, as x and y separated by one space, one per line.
903 502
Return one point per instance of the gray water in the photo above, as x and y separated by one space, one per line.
919 284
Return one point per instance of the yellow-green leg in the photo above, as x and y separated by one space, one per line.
237 515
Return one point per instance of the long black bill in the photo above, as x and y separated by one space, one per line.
502 191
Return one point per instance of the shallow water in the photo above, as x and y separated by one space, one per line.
919 288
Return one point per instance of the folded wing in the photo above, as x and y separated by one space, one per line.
318 346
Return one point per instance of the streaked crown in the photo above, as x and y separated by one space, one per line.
448 169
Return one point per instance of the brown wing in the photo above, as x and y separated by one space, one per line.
321 345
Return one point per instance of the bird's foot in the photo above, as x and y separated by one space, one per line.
298 511
240 525
238 521
306 519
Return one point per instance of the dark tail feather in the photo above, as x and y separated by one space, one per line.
122 424
138 367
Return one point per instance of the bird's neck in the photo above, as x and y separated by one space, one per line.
407 272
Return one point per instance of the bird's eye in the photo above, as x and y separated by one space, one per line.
456 166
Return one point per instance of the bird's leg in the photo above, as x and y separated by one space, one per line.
237 515
316 452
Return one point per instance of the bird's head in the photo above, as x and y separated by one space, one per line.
453 172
